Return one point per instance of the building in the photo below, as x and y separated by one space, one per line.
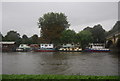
7 46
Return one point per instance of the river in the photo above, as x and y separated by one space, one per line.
63 63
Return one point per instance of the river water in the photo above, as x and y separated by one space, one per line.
65 63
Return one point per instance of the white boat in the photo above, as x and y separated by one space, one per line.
23 47
70 48
96 47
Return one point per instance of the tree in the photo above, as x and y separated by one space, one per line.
88 29
25 39
68 36
35 39
52 25
85 37
98 34
12 36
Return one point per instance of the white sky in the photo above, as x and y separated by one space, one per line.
22 16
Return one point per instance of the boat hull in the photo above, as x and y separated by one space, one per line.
94 50
68 51
45 50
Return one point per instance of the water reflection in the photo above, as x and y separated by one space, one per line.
66 63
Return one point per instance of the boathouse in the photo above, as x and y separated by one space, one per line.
7 46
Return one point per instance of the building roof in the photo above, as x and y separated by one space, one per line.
7 42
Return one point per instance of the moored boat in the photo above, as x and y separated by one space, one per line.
46 48
70 48
96 48
23 48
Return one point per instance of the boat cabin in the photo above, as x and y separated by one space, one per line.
67 45
96 45
70 45
24 46
46 46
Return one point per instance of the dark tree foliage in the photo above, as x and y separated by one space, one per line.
88 29
12 36
52 25
84 38
35 39
25 39
68 36
98 33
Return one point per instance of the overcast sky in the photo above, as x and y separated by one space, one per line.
23 16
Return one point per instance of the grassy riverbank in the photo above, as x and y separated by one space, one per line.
57 77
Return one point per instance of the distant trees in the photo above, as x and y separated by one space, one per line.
98 33
84 37
31 40
52 25
24 39
35 39
12 36
68 36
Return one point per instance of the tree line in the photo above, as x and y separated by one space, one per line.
15 36
54 28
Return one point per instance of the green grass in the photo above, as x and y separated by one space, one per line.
13 76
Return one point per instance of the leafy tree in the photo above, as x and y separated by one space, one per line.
12 36
68 36
52 25
98 34
35 39
85 37
25 39
88 29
